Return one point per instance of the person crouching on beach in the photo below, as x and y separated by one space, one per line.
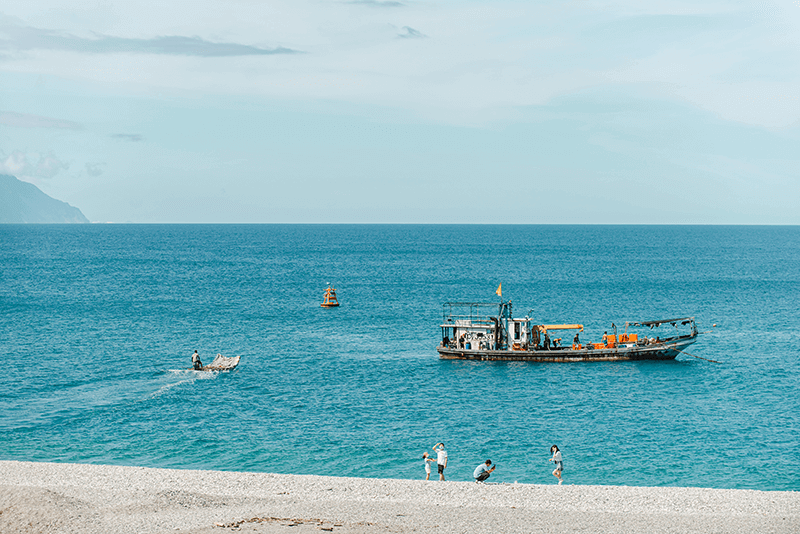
427 459
441 458
482 472
559 464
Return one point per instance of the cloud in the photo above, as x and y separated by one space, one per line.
23 38
94 169
22 120
133 138
484 62
19 163
411 33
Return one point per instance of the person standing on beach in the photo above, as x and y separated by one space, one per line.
559 464
428 461
441 458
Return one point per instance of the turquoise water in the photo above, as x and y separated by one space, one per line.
98 323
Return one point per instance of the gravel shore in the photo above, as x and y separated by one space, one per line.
56 498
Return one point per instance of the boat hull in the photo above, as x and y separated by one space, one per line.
657 351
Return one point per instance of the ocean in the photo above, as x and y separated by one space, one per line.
98 324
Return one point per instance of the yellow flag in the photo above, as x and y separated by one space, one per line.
499 290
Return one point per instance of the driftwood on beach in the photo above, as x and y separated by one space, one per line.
56 498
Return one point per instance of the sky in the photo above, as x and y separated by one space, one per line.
401 111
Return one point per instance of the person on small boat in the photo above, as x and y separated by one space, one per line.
605 338
483 471
546 341
576 341
197 365
559 464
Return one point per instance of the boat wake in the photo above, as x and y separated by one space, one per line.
191 374
185 376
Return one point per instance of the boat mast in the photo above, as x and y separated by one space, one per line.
503 319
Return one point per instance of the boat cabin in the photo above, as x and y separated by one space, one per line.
491 326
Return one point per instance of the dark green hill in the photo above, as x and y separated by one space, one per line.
22 202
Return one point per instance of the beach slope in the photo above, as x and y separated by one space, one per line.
56 498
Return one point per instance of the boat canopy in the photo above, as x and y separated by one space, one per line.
475 311
563 327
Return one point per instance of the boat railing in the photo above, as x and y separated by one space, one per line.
471 312
470 323
682 321
676 323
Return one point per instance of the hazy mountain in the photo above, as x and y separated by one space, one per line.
21 202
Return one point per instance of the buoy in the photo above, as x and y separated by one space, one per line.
330 300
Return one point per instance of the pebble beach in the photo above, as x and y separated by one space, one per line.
56 498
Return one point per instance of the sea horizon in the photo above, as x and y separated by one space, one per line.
404 224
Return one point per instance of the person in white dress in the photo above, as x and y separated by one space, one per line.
427 459
559 464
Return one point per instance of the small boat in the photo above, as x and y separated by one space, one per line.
222 363
330 300
488 331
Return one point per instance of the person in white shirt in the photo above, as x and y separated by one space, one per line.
482 472
427 459
559 464
196 363
441 458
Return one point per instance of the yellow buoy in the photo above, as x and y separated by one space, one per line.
330 300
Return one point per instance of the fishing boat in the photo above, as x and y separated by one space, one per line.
330 300
489 331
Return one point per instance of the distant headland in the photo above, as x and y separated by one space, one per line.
23 202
